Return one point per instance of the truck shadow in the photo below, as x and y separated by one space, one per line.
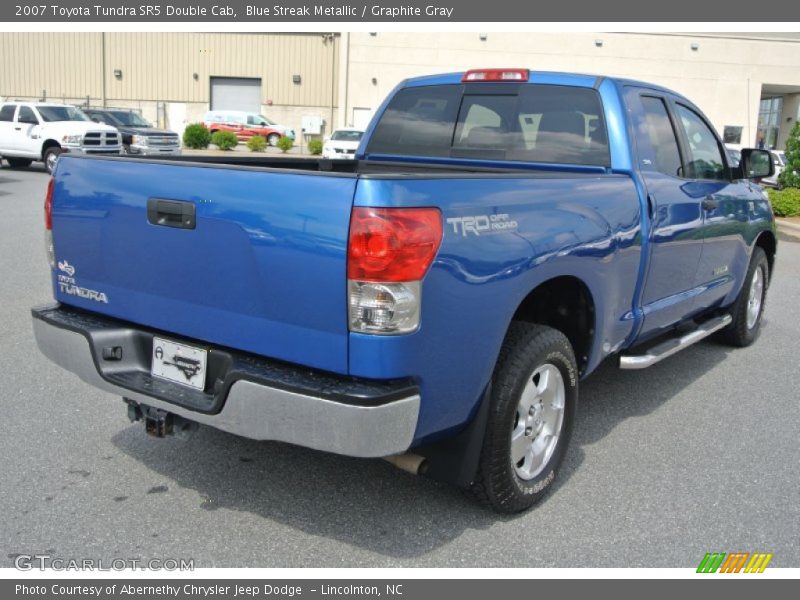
368 503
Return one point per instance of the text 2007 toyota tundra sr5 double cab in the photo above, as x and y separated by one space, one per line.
436 301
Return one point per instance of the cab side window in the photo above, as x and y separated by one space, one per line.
26 115
705 156
7 112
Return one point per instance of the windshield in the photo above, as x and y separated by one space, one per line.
347 136
130 119
61 113
102 117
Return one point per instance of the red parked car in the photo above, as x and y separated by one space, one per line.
245 125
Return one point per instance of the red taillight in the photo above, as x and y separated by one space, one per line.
478 75
48 205
392 244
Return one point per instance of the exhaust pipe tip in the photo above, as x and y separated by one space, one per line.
410 463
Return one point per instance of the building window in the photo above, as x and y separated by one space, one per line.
732 135
769 118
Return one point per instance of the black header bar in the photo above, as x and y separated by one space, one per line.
406 11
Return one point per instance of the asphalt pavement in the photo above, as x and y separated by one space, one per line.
697 454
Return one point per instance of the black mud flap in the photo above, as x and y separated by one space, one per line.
455 459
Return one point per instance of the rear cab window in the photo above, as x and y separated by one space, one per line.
526 123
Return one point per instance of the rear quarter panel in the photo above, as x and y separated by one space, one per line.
584 226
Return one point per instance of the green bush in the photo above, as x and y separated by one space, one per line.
790 176
785 202
315 146
224 140
257 143
285 144
196 136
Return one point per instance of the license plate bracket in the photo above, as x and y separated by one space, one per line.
179 363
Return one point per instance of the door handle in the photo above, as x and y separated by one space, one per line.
171 213
18 128
710 203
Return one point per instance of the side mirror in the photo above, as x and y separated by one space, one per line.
95 119
756 163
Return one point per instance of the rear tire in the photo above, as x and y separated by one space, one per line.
749 306
50 158
19 163
531 415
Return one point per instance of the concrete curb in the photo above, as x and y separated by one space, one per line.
790 225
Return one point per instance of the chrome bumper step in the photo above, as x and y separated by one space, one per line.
674 345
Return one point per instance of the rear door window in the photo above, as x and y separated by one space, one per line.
530 123
659 132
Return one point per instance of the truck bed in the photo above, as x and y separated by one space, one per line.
368 167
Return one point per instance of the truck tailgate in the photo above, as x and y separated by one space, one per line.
263 270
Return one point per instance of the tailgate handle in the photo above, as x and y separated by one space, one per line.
171 213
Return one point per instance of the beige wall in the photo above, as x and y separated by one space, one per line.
67 65
161 66
723 76
158 66
791 113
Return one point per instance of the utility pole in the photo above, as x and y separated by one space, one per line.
103 67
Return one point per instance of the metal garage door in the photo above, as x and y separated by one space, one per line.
234 93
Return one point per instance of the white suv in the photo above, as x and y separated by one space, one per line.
40 131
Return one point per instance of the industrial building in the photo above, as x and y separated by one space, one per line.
747 83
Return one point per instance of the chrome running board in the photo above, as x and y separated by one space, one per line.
669 347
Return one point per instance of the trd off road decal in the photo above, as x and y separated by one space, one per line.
482 224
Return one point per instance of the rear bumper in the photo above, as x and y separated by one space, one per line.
250 396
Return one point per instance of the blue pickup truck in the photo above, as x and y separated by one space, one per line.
435 301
